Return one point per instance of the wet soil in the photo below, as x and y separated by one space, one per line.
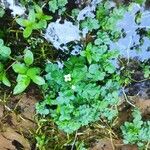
17 122
107 144
113 142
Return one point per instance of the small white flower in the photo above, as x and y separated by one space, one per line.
67 77
73 87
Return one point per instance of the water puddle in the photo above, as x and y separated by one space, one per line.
135 43
134 48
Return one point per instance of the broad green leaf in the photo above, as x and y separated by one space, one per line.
33 71
1 75
41 24
19 68
46 17
27 32
38 80
22 22
1 67
31 16
140 1
1 42
89 57
38 9
5 80
28 57
2 11
23 82
5 51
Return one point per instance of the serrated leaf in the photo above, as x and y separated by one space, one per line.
19 68
53 6
28 57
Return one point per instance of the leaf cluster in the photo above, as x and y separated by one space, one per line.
4 55
86 94
147 71
108 18
57 5
36 20
137 131
26 73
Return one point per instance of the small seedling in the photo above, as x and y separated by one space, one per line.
26 73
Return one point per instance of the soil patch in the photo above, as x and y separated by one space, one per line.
17 122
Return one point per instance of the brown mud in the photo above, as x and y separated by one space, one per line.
17 122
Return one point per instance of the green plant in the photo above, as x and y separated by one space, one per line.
57 4
35 20
146 71
41 141
108 18
4 51
41 16
136 132
4 55
80 146
3 77
140 1
90 24
86 88
26 73
2 11
76 91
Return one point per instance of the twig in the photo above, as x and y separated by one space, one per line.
147 145
112 144
75 138
139 80
126 98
